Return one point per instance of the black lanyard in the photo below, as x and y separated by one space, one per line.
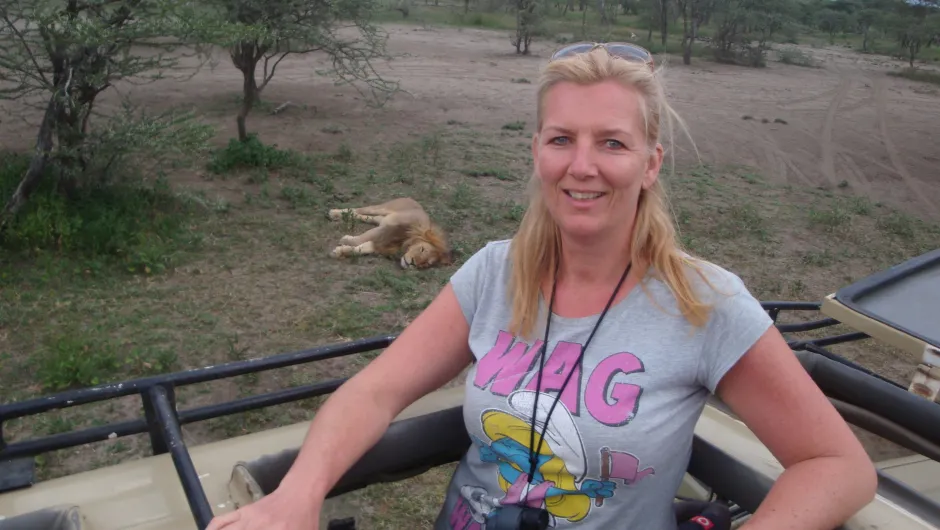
533 455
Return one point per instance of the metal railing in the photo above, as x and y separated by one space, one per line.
162 421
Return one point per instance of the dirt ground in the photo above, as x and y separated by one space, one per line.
775 146
846 123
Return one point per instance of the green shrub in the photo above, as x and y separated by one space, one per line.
250 154
133 224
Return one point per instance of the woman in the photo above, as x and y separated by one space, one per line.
596 428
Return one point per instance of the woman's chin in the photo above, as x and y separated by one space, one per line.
580 228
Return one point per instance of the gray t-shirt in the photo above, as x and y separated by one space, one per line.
619 440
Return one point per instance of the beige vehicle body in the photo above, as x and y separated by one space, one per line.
147 493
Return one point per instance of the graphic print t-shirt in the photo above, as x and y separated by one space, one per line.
617 443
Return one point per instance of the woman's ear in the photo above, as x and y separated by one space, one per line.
654 164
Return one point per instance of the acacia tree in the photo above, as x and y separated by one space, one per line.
914 27
745 28
63 54
867 19
694 14
832 21
340 28
528 18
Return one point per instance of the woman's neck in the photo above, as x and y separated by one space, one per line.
594 263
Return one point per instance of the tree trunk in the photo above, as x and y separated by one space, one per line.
664 21
37 165
602 9
687 52
250 95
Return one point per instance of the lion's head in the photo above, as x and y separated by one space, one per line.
425 249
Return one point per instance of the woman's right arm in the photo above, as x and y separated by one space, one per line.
429 352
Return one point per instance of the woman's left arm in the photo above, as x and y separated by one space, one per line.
828 476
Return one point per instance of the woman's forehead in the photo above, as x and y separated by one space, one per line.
599 107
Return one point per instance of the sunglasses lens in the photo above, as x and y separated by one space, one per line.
629 52
574 49
622 50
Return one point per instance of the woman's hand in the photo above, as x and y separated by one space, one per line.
277 511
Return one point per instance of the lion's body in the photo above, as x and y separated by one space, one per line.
403 228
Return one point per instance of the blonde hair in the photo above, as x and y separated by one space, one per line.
536 245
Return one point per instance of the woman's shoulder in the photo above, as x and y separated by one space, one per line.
490 256
497 248
474 280
709 281
713 280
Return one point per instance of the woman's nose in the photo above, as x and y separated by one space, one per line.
583 162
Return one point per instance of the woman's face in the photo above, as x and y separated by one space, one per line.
592 157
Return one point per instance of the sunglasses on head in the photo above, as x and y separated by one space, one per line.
622 50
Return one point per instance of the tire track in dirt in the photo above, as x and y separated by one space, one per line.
778 160
881 107
772 154
828 149
787 104
859 176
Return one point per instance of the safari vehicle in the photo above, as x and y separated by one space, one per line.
180 487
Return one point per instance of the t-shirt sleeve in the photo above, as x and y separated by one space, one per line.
736 322
469 281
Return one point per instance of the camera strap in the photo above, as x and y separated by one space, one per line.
533 453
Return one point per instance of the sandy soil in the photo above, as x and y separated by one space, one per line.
847 123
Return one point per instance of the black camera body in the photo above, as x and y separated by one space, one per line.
513 517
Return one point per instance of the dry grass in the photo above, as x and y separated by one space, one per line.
259 281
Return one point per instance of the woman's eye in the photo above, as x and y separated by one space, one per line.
615 144
559 140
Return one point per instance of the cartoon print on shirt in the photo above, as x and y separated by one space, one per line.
559 484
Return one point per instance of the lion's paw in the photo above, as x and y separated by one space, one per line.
347 240
341 251
336 214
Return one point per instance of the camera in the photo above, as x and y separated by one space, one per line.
512 517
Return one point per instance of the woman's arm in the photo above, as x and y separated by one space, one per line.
431 351
828 475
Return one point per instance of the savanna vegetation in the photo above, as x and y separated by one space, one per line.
140 235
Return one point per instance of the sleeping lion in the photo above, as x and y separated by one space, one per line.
403 227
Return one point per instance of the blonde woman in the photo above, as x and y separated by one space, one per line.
589 414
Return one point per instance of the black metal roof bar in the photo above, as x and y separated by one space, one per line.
187 377
790 306
807 326
138 426
173 436
820 349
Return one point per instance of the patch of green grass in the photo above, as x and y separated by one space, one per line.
831 219
898 224
822 258
76 360
788 241
740 219
139 227
918 74
497 173
251 153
